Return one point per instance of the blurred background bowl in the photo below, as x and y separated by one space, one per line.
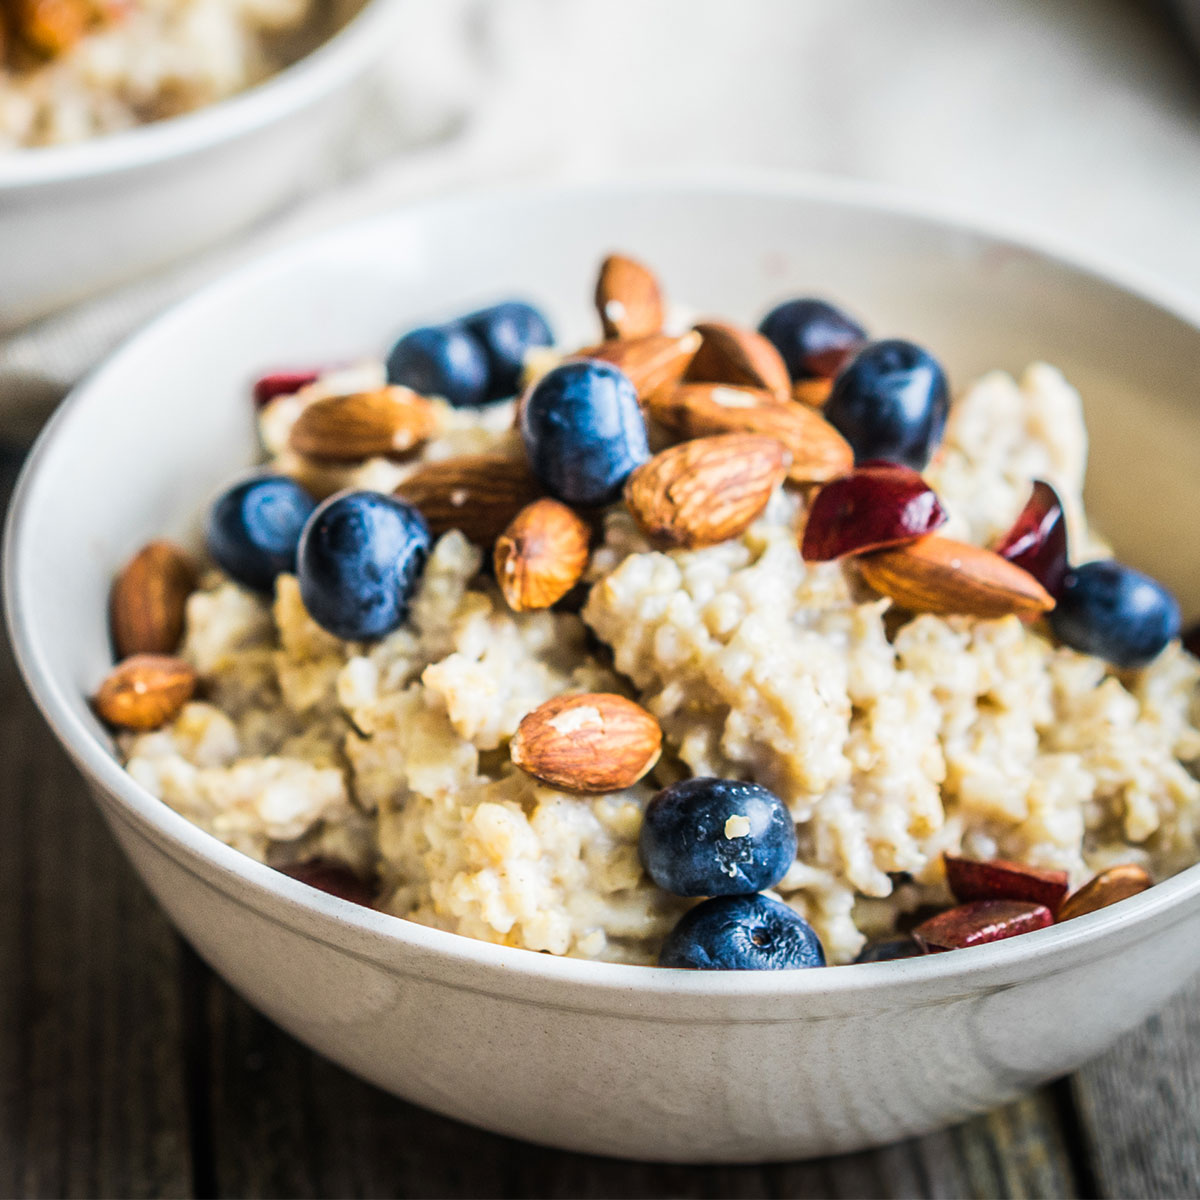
79 218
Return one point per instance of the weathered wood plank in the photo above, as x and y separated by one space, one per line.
1139 1107
92 1097
286 1123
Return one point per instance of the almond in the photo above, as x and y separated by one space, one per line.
542 555
731 354
939 575
145 691
595 742
650 362
706 491
1117 883
477 493
813 392
148 600
628 298
387 421
819 453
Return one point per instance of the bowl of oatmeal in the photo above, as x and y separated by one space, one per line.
169 124
434 829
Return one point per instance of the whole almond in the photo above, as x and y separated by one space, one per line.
628 298
818 452
731 354
1117 883
706 491
477 493
145 691
939 575
542 554
595 742
388 421
149 598
650 362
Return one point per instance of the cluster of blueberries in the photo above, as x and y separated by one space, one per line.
729 841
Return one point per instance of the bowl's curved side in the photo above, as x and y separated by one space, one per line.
167 190
590 1055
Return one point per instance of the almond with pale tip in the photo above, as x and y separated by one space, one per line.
542 555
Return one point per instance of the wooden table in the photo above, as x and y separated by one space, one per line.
128 1069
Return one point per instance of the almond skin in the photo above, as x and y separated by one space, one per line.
149 599
477 493
705 491
819 453
813 392
940 575
145 691
388 421
650 362
732 354
628 299
596 742
1117 883
542 555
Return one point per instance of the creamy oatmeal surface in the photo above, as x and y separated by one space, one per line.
890 742
79 68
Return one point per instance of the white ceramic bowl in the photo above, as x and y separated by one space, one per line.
78 218
613 1059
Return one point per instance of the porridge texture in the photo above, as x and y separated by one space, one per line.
76 69
890 742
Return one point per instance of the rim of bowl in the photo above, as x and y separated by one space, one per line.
338 59
368 928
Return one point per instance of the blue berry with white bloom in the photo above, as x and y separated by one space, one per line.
1116 613
254 528
742 933
360 560
442 360
891 402
716 837
507 332
584 432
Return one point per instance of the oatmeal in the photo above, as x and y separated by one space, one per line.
76 69
889 737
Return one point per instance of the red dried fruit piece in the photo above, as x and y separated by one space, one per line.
329 875
999 879
979 922
873 507
1037 541
282 383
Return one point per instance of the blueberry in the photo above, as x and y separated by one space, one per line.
360 560
1115 613
889 950
583 431
814 338
716 837
441 360
742 933
890 401
253 529
506 332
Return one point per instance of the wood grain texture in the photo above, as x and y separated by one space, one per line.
92 1095
1139 1106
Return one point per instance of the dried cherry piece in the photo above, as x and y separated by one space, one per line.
1037 541
281 383
875 506
336 878
979 922
999 879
